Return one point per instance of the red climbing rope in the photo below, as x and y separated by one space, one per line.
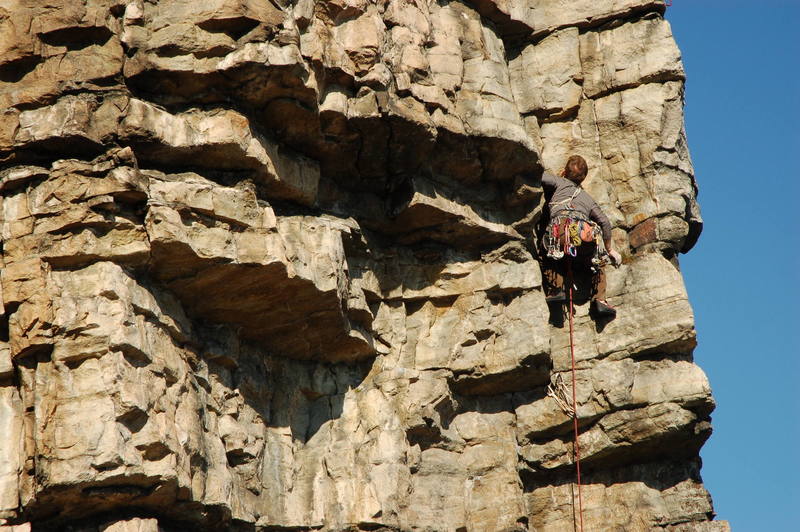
574 404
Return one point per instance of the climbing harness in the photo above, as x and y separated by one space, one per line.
567 231
574 404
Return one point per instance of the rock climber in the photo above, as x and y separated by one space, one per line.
574 222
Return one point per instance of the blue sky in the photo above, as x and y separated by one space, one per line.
742 62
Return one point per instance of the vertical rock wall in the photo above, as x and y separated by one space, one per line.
270 266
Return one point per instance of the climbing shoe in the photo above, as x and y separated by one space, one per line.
603 309
557 298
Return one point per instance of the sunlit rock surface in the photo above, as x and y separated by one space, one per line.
271 266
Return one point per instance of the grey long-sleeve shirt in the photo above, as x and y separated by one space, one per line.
562 190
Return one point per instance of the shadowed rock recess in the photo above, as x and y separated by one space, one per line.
269 265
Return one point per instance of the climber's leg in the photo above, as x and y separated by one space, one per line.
552 271
599 303
600 285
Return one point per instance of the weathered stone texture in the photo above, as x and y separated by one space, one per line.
271 266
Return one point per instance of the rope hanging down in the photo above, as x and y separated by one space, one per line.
574 403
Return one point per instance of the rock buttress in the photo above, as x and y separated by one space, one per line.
270 266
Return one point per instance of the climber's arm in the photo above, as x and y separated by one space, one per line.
549 181
597 215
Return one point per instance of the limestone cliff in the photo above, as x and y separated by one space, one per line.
270 265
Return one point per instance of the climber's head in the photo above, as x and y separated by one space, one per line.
575 170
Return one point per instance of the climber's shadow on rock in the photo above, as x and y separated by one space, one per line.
558 314
600 321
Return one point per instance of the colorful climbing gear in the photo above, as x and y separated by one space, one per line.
567 231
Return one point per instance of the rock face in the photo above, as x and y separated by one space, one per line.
271 266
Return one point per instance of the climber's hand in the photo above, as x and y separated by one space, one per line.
616 258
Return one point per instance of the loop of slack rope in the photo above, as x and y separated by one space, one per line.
558 391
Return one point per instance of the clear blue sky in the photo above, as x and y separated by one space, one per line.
742 62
